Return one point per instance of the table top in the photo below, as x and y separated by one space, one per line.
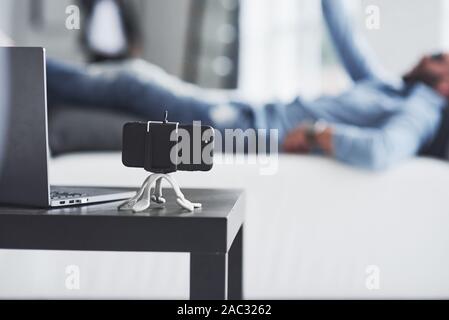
211 228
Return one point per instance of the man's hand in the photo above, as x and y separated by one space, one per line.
298 140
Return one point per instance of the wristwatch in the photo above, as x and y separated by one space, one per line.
313 130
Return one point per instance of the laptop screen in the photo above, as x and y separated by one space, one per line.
3 101
24 174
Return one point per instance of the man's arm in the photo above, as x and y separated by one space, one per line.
356 55
402 136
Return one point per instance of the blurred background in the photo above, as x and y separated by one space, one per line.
265 48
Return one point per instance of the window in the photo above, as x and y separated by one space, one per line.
280 48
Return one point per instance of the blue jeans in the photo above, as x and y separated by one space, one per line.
143 89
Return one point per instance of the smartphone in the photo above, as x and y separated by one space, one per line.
154 145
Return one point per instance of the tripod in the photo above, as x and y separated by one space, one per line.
142 200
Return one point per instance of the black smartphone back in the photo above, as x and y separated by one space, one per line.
159 146
133 144
201 148
150 150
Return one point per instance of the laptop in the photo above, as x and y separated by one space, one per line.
24 171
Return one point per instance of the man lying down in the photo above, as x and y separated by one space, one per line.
377 123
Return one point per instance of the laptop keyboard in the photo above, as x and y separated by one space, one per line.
61 195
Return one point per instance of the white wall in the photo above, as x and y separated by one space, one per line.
5 15
281 43
408 29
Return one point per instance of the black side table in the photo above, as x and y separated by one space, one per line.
213 235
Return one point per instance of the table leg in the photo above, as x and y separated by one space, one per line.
235 268
218 276
208 276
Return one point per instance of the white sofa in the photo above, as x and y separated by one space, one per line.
314 229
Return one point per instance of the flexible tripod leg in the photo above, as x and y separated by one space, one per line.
142 200
129 204
157 195
145 201
180 198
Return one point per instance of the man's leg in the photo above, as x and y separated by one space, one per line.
143 89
